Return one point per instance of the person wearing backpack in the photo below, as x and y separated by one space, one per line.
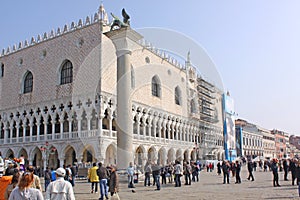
47 177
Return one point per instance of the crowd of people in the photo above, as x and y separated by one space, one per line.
168 174
106 177
18 181
274 165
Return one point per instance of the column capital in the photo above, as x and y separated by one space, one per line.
124 40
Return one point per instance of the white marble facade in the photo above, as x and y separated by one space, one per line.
76 122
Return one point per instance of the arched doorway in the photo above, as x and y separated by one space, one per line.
88 155
161 157
179 155
10 154
37 158
70 156
171 156
110 155
194 155
151 155
23 153
186 156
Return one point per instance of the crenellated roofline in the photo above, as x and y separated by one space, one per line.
100 16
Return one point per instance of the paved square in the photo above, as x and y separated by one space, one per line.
209 187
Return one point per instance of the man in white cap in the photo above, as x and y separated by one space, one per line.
60 189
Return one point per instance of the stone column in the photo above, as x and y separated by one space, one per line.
30 129
53 127
150 126
18 131
154 126
61 123
45 122
38 123
159 129
11 127
110 118
100 118
79 118
138 126
24 130
70 120
61 160
144 127
124 40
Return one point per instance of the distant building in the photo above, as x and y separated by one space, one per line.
268 143
252 138
295 146
281 142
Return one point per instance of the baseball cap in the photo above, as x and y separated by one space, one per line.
61 172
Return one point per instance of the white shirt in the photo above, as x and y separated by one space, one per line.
60 190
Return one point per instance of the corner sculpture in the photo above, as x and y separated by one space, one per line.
117 23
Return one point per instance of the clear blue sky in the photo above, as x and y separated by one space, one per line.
254 44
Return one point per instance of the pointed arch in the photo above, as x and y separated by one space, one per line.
10 154
139 155
178 97
70 155
156 86
66 72
27 83
111 154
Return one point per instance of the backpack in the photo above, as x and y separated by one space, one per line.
47 175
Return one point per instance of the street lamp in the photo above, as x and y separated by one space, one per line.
47 150
230 154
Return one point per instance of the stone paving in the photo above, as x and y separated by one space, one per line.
209 187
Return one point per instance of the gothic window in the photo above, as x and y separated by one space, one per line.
66 74
177 96
2 70
28 83
156 87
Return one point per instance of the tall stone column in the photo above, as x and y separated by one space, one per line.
124 40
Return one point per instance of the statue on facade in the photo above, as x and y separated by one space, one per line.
117 23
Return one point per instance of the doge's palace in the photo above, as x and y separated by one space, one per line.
95 91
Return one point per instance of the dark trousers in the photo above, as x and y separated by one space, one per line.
294 178
238 178
275 179
285 174
163 179
95 184
153 176
225 177
47 182
177 180
251 176
147 179
156 179
187 179
195 176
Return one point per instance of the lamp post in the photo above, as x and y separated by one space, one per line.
47 150
230 154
